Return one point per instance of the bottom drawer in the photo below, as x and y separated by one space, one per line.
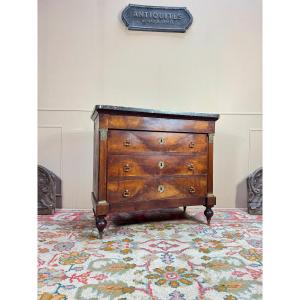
157 188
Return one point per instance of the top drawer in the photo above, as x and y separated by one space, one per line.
160 124
120 141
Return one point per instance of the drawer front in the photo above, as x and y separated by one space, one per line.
156 188
160 124
156 164
120 141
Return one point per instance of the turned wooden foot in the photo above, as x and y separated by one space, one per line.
208 214
184 208
100 224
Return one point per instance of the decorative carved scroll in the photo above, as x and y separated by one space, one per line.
254 183
46 191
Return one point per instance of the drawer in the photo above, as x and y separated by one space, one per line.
156 164
160 124
164 187
121 141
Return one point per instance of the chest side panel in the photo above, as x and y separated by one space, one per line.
96 158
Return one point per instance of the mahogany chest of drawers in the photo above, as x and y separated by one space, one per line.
148 159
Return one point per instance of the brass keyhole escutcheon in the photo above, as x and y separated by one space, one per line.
161 188
126 143
161 164
126 194
162 140
126 168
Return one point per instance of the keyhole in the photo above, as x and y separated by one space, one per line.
161 141
161 164
161 188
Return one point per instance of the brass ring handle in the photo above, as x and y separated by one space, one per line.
191 166
192 190
126 168
126 194
126 143
191 144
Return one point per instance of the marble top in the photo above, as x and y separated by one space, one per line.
123 109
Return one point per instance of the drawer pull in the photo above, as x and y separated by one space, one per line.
162 141
126 194
126 143
161 188
161 164
126 168
191 144
192 190
191 166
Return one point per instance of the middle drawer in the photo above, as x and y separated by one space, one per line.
156 164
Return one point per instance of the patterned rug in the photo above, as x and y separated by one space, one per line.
157 255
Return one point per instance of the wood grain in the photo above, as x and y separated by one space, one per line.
102 159
148 188
96 158
159 124
151 159
146 204
120 141
156 164
210 179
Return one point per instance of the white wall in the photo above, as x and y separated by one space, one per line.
88 57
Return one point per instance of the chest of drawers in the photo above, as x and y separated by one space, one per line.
148 159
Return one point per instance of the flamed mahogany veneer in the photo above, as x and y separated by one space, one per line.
145 159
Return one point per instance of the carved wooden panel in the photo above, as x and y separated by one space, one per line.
254 183
46 191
